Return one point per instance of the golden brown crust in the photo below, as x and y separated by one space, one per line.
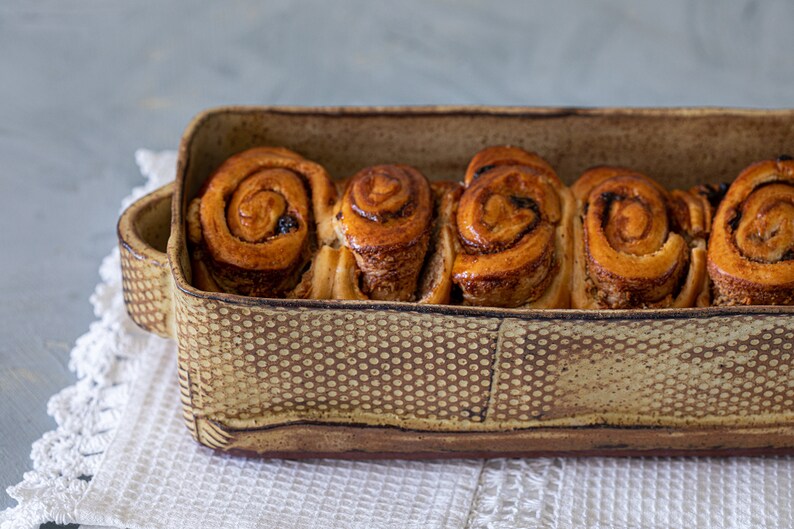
751 248
637 246
318 281
694 210
332 275
348 277
515 236
492 157
258 219
384 217
435 283
513 222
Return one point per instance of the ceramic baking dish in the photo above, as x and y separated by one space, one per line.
301 378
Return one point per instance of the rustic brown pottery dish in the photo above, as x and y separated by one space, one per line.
301 378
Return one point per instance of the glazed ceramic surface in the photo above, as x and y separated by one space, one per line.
372 379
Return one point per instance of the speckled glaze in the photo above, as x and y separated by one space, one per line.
372 379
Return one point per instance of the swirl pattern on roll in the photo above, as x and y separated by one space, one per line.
384 218
751 248
257 221
513 222
637 246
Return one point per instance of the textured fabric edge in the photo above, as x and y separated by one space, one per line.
87 412
516 493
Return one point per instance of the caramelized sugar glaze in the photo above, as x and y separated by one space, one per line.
514 226
751 248
270 223
258 220
385 218
637 245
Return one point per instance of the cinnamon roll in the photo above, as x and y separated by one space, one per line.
384 218
258 220
751 248
636 245
514 225
335 274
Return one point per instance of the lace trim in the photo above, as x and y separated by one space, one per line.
516 492
87 413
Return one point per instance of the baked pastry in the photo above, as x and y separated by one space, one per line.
435 279
751 248
268 223
514 225
258 220
384 218
637 245
334 273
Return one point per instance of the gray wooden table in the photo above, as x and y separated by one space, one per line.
83 83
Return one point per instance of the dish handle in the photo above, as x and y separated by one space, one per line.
143 232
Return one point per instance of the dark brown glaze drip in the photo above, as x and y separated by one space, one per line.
713 193
735 220
481 170
608 199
